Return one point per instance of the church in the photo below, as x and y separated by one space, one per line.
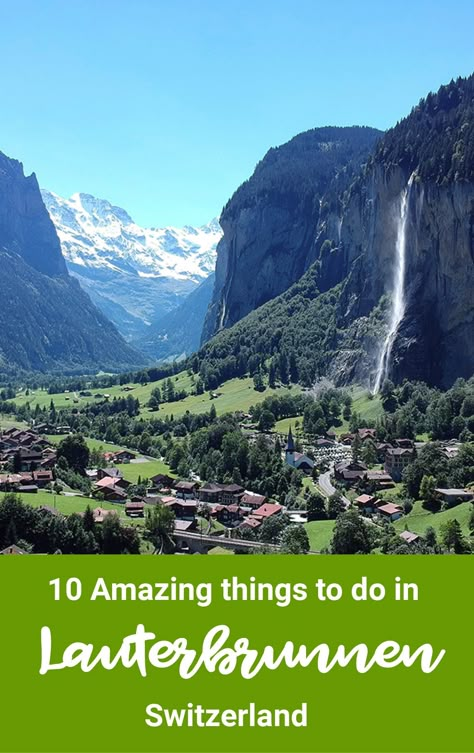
297 459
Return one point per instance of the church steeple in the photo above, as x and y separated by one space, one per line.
290 444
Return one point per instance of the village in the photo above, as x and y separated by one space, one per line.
224 515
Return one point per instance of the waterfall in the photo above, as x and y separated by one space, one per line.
398 303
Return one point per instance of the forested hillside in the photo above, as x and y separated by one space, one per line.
276 221
47 323
408 206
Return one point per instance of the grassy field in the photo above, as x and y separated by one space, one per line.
93 444
69 399
98 444
234 395
395 492
319 533
296 423
147 469
69 505
419 519
7 421
369 408
66 505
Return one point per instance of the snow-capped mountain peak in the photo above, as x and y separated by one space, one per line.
136 275
96 234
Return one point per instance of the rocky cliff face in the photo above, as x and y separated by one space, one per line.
47 322
435 340
25 227
353 239
273 220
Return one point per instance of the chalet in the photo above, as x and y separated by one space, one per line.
6 443
111 476
390 511
108 473
124 456
59 429
228 515
48 460
106 482
381 449
28 460
350 472
10 481
153 499
409 537
111 489
346 439
232 494
186 489
365 502
406 444
50 510
185 509
380 479
366 434
452 497
162 481
253 500
25 439
267 510
40 428
181 526
210 493
251 523
42 478
321 443
450 452
396 460
135 508
13 549
27 489
114 494
10 431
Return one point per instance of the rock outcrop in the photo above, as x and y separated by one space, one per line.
47 322
25 227
351 239
271 223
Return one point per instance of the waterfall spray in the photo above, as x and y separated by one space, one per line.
398 293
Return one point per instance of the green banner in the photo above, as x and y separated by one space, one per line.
259 653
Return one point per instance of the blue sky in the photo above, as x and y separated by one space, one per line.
164 108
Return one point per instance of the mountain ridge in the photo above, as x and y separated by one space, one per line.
275 221
47 322
135 275
349 280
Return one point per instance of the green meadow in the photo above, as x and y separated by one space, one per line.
319 533
418 520
234 395
64 504
148 468
368 407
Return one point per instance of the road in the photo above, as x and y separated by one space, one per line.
327 488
